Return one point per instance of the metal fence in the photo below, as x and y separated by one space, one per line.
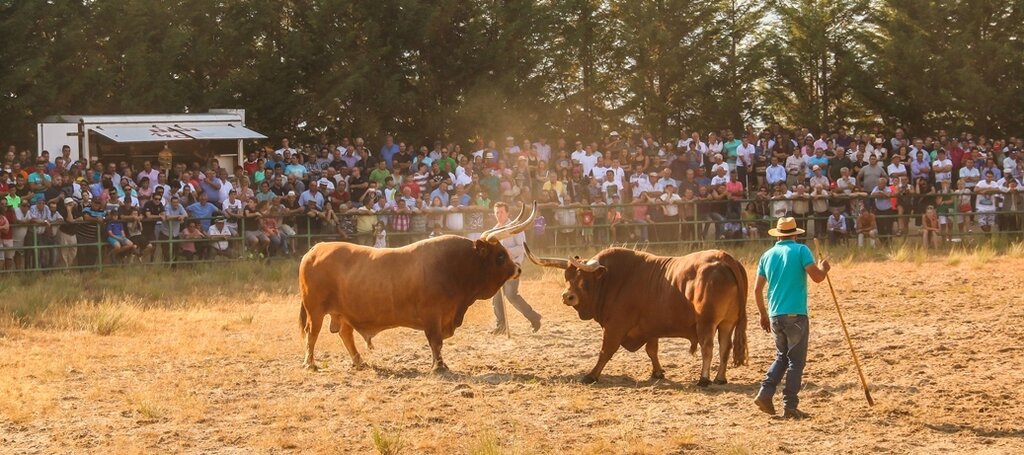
698 224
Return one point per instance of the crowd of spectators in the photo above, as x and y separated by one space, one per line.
865 187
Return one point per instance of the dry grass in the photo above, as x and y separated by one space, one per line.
168 363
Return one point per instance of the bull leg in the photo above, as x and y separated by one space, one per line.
706 338
724 347
652 351
313 331
350 344
436 342
610 344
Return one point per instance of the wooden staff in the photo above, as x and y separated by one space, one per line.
860 372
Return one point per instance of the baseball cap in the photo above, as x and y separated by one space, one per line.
614 133
69 200
291 193
816 168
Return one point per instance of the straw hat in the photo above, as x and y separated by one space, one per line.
785 227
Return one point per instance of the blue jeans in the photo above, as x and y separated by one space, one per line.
791 332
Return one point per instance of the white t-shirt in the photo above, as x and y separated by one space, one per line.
577 154
896 169
671 209
745 155
986 202
642 185
214 232
599 173
943 176
969 172
588 162
228 205
543 151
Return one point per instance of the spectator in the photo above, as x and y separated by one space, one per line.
930 228
220 235
837 229
867 227
6 236
172 218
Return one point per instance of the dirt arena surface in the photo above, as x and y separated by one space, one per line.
941 341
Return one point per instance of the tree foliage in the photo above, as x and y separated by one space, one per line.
461 69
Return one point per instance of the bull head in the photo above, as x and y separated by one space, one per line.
582 280
518 225
493 255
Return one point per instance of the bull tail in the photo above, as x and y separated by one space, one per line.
302 321
739 334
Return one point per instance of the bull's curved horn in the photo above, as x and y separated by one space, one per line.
545 262
512 229
588 267
492 230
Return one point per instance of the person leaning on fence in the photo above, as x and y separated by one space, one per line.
6 236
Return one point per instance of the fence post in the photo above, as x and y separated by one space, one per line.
99 244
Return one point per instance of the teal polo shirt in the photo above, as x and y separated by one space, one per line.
783 267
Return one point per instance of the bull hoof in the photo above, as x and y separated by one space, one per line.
441 368
310 366
703 382
588 379
720 382
358 364
658 375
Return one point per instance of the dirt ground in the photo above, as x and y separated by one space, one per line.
940 340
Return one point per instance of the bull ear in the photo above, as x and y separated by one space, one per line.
600 271
482 247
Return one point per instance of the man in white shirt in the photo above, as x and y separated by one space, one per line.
745 160
896 169
618 172
943 169
721 176
232 207
543 149
720 164
599 170
588 160
285 148
219 235
987 191
665 181
970 174
642 183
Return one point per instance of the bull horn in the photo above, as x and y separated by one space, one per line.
492 230
588 267
545 262
512 229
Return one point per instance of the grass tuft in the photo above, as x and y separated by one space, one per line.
387 442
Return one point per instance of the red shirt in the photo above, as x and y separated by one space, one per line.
412 187
6 220
956 156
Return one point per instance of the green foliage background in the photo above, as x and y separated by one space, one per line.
456 69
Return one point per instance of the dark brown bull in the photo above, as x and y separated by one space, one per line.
426 286
638 298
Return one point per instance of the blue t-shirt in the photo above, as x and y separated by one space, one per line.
783 266
203 212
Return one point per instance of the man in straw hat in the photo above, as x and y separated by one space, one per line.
784 268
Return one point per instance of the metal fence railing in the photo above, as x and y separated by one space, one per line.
697 224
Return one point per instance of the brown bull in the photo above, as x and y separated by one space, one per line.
638 298
426 286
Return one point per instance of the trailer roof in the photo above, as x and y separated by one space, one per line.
145 118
